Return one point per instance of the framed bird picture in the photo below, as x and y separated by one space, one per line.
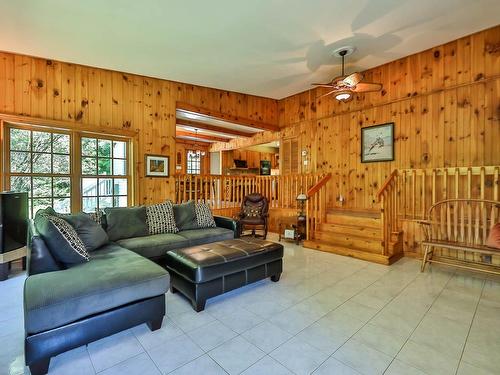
377 143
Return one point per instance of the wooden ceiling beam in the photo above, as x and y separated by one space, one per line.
182 133
201 125
227 117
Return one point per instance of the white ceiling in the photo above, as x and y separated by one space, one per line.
272 48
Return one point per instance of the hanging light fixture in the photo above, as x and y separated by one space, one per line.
197 150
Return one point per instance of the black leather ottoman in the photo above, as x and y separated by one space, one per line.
205 271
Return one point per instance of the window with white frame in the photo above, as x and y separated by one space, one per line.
193 159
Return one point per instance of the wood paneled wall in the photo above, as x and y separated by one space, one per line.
111 100
445 103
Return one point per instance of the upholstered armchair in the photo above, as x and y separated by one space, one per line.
254 214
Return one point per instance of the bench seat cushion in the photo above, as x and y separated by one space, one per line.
113 277
203 263
206 235
155 245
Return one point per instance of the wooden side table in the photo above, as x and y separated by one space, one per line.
295 223
8 257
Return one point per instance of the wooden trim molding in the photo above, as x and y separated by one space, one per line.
227 117
182 133
66 125
201 125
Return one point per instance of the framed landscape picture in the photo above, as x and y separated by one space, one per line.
377 143
157 166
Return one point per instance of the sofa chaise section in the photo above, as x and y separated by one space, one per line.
66 307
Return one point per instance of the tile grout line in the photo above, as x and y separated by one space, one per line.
360 291
420 322
267 319
388 302
90 358
145 351
470 326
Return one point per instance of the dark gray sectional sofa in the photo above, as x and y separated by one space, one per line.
121 286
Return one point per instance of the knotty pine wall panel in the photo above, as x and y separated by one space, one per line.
445 103
105 99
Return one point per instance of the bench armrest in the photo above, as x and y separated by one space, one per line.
426 228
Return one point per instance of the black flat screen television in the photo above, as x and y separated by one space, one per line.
13 220
240 163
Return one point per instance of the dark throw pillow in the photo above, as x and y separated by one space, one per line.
204 216
61 238
89 231
160 218
252 211
126 222
185 216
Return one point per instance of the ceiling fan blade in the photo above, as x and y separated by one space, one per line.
367 87
322 84
353 79
328 93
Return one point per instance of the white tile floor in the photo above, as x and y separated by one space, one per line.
327 315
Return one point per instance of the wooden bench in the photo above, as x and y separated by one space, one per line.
461 227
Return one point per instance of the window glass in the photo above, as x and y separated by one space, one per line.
193 162
40 164
39 161
102 160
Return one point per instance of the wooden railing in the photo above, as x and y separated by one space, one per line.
388 198
316 205
408 194
227 192
466 221
421 188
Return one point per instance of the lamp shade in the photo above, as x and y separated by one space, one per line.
301 197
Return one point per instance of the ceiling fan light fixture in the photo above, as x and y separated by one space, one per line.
343 96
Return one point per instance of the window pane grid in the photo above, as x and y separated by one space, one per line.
40 167
193 162
104 173
39 162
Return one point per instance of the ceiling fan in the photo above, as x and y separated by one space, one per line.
345 86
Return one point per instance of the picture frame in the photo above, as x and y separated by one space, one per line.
157 166
377 143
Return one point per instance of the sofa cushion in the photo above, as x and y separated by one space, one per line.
155 245
206 235
61 238
113 278
89 231
126 222
185 215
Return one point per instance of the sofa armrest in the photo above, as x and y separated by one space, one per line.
228 223
39 258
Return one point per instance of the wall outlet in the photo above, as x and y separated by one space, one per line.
486 259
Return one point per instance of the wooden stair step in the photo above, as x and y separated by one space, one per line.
363 221
355 253
360 212
354 230
362 243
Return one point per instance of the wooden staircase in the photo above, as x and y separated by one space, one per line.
356 233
